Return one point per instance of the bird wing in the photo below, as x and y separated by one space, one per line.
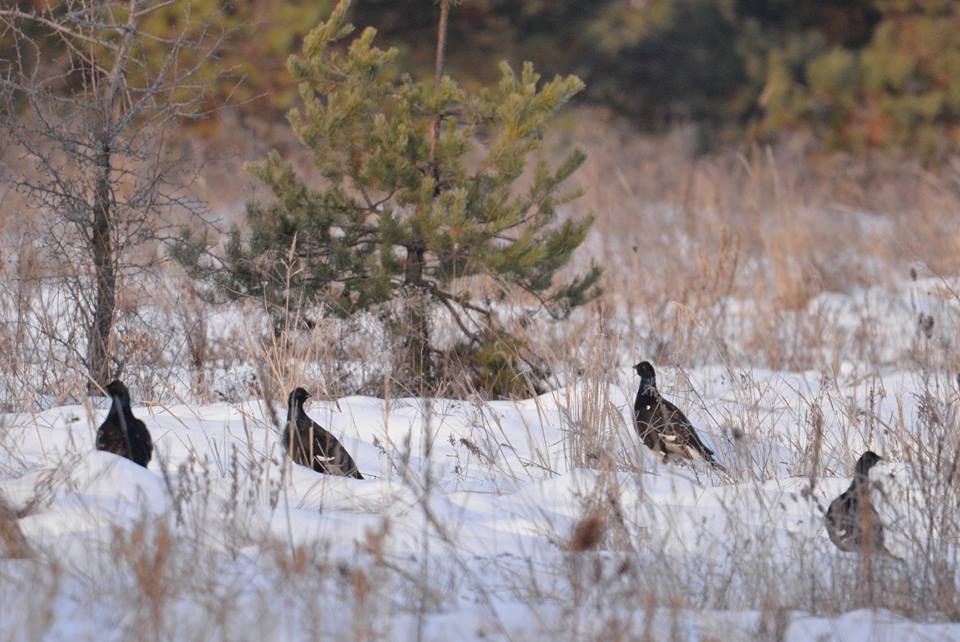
340 461
327 455
678 430
143 439
840 522
110 438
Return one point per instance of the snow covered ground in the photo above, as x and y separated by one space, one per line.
465 526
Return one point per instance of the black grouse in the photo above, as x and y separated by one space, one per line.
311 445
852 522
661 425
121 433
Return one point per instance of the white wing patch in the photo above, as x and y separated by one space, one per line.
693 453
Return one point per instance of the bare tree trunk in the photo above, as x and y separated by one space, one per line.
105 279
101 240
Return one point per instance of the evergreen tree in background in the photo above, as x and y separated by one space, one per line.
420 200
898 88
859 74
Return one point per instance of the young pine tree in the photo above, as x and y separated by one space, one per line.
419 191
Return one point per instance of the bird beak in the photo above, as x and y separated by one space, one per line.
636 366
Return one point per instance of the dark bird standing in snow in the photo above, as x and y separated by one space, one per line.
311 445
661 425
121 433
852 522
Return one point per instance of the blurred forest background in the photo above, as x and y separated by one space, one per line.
858 75
771 151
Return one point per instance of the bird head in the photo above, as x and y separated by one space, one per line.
119 392
119 396
646 372
297 397
867 461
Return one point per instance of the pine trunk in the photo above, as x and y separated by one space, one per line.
416 336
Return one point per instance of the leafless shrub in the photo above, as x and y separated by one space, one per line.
12 542
89 132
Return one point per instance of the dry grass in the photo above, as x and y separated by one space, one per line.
13 544
719 260
684 238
